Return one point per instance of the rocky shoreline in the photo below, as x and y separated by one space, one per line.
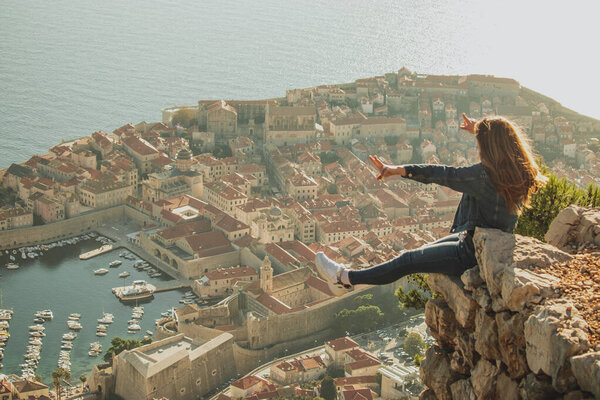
515 327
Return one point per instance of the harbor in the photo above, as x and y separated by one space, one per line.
58 281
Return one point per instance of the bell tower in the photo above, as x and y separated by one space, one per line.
266 276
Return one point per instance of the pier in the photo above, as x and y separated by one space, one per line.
168 289
93 253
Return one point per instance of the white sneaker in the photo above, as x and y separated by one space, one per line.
330 272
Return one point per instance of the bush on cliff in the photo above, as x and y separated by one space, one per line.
545 205
184 117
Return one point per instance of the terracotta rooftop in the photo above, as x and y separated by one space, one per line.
247 382
341 344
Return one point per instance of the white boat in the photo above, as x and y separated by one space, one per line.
39 320
37 328
67 347
4 325
12 266
101 328
45 314
101 271
124 274
69 336
75 326
101 334
134 327
105 320
37 334
12 258
75 315
115 263
93 353
149 333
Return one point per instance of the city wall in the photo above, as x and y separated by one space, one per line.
59 230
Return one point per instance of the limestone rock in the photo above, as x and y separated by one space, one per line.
435 372
537 387
483 379
441 322
462 390
560 229
553 333
427 394
486 336
511 342
497 251
456 296
574 224
506 388
521 287
471 278
464 357
586 369
482 297
577 395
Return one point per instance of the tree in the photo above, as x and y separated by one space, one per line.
37 378
416 297
364 300
146 340
361 319
83 379
418 358
59 375
545 205
184 117
119 345
328 391
222 151
414 344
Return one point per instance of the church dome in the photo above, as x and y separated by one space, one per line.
275 211
184 154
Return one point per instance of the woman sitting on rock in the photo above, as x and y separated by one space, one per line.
494 192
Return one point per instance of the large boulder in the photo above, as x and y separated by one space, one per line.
521 288
498 251
458 299
435 372
464 357
483 379
506 388
553 333
486 336
463 390
441 322
574 226
586 369
511 342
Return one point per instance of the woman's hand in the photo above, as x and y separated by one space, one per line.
468 124
386 170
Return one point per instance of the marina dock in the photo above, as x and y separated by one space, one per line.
167 289
93 253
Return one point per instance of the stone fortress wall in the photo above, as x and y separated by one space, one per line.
67 228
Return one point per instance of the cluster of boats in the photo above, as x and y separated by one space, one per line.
32 252
5 317
133 325
34 346
66 345
103 323
191 297
141 265
95 349
73 322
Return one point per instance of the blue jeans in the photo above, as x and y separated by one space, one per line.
450 255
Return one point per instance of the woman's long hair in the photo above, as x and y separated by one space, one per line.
509 162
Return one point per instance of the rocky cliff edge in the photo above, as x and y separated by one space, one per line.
525 323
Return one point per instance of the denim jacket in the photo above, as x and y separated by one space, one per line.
481 205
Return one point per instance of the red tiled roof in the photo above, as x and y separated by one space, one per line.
343 343
247 382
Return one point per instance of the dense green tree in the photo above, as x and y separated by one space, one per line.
418 358
328 391
119 345
545 205
185 117
415 297
83 378
594 146
359 320
414 344
329 157
37 378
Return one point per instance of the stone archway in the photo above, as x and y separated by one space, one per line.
174 263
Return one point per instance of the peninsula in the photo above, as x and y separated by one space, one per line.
237 196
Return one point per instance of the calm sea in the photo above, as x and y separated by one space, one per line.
68 68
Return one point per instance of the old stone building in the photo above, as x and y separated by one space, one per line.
173 182
221 118
176 367
286 125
